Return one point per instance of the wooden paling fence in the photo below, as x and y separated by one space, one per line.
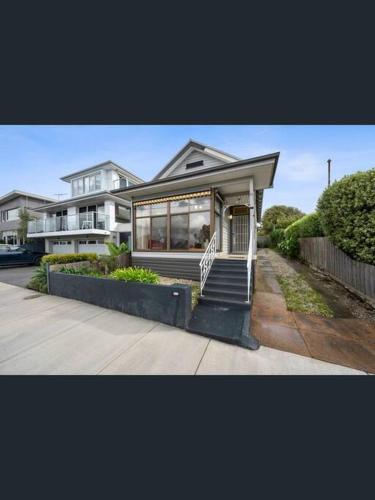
323 255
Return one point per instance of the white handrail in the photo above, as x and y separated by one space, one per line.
249 264
207 260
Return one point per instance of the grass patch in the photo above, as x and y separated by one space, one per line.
300 297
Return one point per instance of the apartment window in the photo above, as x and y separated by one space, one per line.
188 221
9 215
86 184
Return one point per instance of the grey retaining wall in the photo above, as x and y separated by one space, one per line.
167 304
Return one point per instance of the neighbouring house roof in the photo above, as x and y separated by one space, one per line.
16 193
192 144
107 163
70 202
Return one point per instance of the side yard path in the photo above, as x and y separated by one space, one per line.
347 338
43 334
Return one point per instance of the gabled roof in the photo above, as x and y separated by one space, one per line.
192 144
108 163
16 193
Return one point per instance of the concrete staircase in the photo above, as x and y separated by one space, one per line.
223 312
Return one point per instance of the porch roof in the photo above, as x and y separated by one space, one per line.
229 178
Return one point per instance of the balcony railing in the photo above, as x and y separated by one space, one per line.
88 220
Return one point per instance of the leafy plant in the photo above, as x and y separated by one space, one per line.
347 211
81 271
38 280
107 263
279 217
137 274
308 226
66 258
116 250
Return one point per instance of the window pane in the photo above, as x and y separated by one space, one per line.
158 233
159 209
179 231
98 181
199 231
199 204
92 182
142 233
179 206
13 214
87 184
80 185
143 210
75 187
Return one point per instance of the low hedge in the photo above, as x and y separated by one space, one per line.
66 258
347 211
308 226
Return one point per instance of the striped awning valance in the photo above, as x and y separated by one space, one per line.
175 197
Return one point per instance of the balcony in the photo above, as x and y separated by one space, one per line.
88 222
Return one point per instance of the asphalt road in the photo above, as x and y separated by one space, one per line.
18 276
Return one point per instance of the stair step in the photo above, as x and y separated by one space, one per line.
215 265
223 287
229 302
224 294
234 271
226 281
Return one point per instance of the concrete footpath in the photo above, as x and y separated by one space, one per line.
41 334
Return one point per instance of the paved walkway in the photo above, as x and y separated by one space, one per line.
42 334
345 341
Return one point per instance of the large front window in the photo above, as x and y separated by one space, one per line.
174 223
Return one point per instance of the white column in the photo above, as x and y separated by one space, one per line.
110 212
252 217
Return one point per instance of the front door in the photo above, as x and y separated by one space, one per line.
240 230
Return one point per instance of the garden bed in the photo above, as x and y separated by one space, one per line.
167 304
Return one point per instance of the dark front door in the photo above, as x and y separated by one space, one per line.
240 230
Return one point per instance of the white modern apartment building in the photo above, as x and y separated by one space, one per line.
92 215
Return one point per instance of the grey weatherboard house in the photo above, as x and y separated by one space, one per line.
197 219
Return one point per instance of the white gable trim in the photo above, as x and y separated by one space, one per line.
205 151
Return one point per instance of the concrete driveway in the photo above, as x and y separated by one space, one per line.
42 334
19 276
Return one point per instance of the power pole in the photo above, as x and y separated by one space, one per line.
329 172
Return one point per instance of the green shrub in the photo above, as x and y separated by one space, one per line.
81 271
308 226
279 217
138 274
107 263
116 250
38 280
66 258
347 211
276 237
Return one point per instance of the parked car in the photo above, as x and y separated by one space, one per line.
18 256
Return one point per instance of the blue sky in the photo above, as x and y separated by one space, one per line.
33 158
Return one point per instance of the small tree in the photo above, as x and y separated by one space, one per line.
25 217
116 250
279 217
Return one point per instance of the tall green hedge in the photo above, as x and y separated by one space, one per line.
308 226
347 211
